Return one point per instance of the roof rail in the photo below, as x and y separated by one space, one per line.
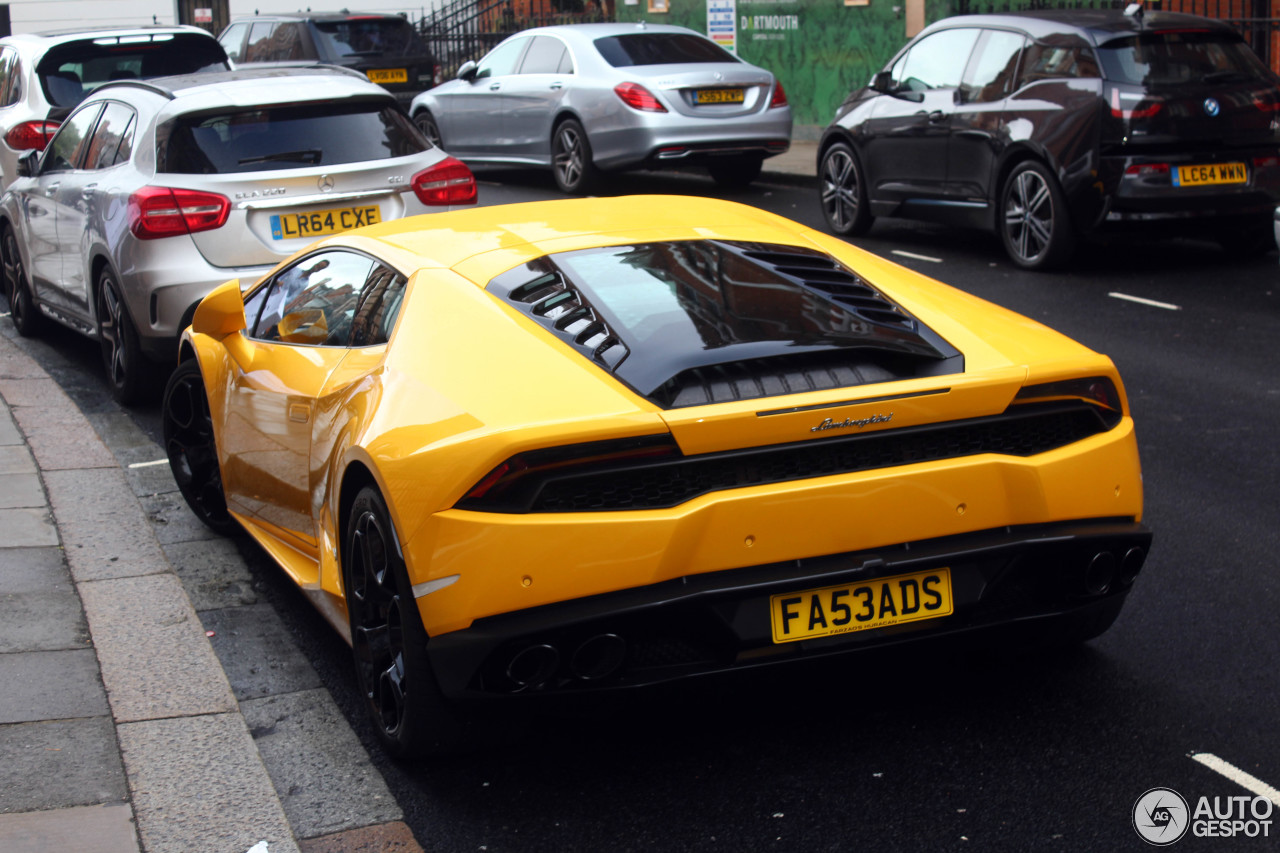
139 84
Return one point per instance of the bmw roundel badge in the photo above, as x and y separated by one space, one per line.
1211 107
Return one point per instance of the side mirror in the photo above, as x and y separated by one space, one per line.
882 82
28 164
467 70
221 313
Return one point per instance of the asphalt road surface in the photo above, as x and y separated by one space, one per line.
959 748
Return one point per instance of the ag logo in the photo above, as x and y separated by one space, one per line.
1161 816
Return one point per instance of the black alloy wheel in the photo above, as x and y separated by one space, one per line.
426 122
129 373
192 451
24 314
571 161
844 194
388 640
1034 223
736 172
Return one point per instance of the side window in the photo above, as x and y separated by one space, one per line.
13 92
108 139
502 59
378 307
545 56
70 141
315 301
993 67
937 61
1043 61
8 64
286 42
259 47
233 39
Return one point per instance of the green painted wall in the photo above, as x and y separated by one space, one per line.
820 49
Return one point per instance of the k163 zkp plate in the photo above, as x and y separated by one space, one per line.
718 96
1210 173
285 226
860 606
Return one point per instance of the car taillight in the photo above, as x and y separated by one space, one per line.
516 483
779 98
639 98
1099 390
156 212
447 182
1266 162
1146 112
1147 170
30 135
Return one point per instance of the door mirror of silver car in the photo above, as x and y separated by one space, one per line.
28 163
884 84
467 70
221 313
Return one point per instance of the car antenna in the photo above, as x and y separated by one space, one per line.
1134 10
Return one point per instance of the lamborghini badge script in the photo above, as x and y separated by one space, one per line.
852 422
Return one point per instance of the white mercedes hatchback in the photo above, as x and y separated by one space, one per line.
153 193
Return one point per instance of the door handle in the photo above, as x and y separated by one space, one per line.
299 413
937 116
493 87
557 85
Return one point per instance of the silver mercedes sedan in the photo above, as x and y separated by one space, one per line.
152 193
590 98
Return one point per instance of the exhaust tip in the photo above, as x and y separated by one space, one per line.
598 657
1131 564
533 665
1100 573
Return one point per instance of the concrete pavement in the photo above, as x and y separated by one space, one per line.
120 730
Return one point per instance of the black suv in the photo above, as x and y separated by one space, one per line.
386 48
1046 125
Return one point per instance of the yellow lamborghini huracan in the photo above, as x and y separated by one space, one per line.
595 444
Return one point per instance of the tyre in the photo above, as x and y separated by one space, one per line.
24 314
409 714
190 446
571 158
1034 223
737 172
844 192
130 374
426 122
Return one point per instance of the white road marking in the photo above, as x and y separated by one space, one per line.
1235 774
149 464
1127 298
915 256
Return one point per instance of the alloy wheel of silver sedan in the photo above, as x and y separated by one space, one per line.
844 195
1033 218
571 158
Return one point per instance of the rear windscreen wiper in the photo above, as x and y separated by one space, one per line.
307 155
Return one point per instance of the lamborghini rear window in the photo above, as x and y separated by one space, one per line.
286 137
1180 57
660 49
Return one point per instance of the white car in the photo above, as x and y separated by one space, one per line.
44 75
589 98
153 193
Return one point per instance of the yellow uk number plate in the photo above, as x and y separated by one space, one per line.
1210 173
860 606
388 75
285 226
718 96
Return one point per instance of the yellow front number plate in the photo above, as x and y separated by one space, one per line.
718 96
859 606
285 226
388 75
1212 173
